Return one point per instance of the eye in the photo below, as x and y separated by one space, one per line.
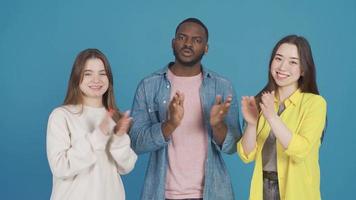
293 63
102 74
87 74
198 40
180 37
277 58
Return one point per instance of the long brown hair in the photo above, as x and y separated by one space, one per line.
74 94
307 82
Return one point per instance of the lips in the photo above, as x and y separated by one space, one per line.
95 87
187 52
281 75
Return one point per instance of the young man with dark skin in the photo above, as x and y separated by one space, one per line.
186 115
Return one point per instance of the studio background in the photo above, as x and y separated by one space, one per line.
40 39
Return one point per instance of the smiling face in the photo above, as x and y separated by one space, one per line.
286 68
94 82
189 44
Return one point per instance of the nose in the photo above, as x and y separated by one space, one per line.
283 64
96 78
188 42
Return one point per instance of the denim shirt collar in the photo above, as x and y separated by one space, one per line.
163 71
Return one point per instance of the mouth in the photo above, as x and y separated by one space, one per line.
187 52
281 75
95 87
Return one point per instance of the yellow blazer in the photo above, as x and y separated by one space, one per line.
298 165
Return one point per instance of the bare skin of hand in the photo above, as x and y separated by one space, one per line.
124 124
105 123
267 105
249 110
280 130
219 110
217 114
175 114
250 114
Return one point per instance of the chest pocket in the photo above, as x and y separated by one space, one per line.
153 112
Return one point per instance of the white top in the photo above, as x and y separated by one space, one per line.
86 164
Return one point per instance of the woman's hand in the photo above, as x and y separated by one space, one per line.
249 110
267 105
124 124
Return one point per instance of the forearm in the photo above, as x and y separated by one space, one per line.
68 160
122 153
249 139
147 138
280 130
219 132
167 129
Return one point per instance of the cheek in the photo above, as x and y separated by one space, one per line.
106 81
297 72
273 68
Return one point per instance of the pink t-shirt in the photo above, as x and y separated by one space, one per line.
187 150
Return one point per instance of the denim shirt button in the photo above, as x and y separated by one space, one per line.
167 86
164 101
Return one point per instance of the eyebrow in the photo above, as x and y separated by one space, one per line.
198 36
89 70
295 58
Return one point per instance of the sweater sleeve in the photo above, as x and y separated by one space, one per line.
125 158
68 157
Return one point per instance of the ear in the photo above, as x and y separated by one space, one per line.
172 44
206 49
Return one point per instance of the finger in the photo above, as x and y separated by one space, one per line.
252 101
182 98
175 98
218 99
111 112
228 99
263 108
126 114
226 107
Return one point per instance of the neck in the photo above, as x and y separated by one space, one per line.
93 102
284 93
179 69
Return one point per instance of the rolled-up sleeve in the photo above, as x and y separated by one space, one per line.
146 136
310 131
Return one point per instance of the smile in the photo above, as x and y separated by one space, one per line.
282 75
95 87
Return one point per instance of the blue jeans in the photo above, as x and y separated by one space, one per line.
270 189
187 199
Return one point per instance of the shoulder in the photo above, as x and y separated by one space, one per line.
153 77
64 111
314 99
313 102
220 79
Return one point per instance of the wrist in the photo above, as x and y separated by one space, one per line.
172 124
251 125
272 118
218 125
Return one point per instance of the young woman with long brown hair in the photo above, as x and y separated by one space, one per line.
87 144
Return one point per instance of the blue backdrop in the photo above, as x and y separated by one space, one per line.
39 40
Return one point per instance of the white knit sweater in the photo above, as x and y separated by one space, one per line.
86 164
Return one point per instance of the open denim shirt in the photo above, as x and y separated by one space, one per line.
149 111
